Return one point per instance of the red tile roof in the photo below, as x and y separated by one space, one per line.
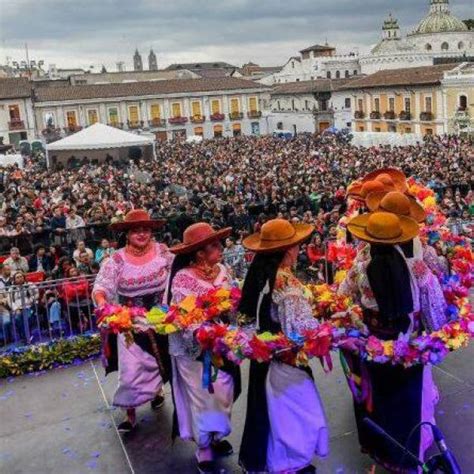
15 88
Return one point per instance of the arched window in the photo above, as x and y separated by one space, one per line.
355 72
444 46
462 102
460 45
328 74
346 74
338 74
428 47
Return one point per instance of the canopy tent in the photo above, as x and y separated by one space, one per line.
369 139
99 137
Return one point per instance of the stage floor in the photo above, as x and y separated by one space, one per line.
61 422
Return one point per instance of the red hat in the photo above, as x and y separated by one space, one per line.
198 235
137 218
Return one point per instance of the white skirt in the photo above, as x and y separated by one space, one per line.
202 416
298 426
139 378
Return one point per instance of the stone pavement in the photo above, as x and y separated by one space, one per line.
61 422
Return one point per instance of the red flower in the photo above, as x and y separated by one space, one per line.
260 351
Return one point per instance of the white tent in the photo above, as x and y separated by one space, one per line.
99 137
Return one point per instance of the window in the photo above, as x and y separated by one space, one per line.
323 105
234 106
346 73
355 72
155 112
14 111
292 104
196 108
460 45
462 102
429 131
49 119
236 130
361 128
297 79
215 106
92 116
133 115
71 119
377 129
407 104
444 46
428 47
408 130
392 128
199 131
306 104
360 105
279 105
328 74
391 104
347 103
176 109
377 104
113 116
253 104
348 124
427 104
338 74
292 65
218 131
280 126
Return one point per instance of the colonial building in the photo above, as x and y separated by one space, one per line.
307 106
458 98
409 100
437 37
207 107
316 62
16 111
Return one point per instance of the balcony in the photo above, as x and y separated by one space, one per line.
405 116
134 124
218 117
426 116
236 116
359 114
115 124
178 120
51 134
157 123
253 114
197 119
16 124
72 129
389 115
375 115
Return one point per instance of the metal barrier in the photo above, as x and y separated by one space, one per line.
34 313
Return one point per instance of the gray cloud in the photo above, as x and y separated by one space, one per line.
70 32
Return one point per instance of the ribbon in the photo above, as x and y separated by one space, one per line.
207 371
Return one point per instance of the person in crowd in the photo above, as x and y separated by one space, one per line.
75 225
81 248
280 395
40 261
136 275
234 257
16 262
5 276
104 251
202 416
84 266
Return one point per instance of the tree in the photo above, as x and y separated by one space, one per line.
469 23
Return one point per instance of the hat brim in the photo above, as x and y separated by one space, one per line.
189 248
255 244
149 224
398 177
358 228
417 212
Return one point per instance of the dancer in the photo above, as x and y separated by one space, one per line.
285 425
202 416
136 275
388 286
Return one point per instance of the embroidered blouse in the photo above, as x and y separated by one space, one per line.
292 304
186 283
119 275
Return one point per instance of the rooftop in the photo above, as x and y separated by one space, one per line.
15 88
318 47
217 64
309 87
426 75
145 88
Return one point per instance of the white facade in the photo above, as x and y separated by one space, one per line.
16 129
438 35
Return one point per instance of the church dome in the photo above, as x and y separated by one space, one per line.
439 20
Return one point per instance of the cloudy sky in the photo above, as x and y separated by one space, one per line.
94 32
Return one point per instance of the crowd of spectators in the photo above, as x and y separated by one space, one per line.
56 222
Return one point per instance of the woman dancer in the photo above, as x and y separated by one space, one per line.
393 292
285 424
202 416
136 275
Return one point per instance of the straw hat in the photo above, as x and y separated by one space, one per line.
360 190
383 228
397 203
391 177
137 218
197 236
277 235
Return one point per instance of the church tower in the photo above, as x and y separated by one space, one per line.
152 63
439 6
390 29
137 61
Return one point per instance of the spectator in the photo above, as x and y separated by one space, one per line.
84 267
75 225
234 258
104 251
16 262
81 247
41 262
5 276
